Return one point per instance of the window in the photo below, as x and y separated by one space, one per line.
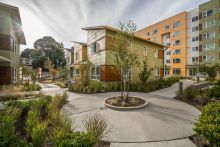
155 31
167 52
176 24
176 60
95 72
195 49
176 71
145 51
210 46
194 39
176 42
14 48
210 58
168 61
77 72
166 27
208 24
208 35
176 33
195 29
155 39
195 59
176 51
157 72
77 56
93 48
208 13
168 44
196 18
14 75
156 53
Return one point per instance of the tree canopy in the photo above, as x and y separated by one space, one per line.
44 48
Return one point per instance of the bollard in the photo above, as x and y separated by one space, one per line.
180 88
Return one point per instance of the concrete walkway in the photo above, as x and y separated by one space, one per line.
166 122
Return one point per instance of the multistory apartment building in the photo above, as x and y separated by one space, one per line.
99 54
192 42
171 32
11 36
69 55
79 56
209 28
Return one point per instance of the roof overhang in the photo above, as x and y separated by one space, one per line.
3 59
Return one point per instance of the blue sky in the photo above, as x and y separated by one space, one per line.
63 19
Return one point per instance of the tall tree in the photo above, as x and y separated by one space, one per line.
28 53
123 55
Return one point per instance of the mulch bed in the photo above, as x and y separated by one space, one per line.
199 141
118 101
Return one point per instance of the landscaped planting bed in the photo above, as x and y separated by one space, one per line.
39 123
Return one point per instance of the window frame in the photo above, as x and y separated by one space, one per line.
95 76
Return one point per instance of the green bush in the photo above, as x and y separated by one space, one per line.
38 133
215 92
188 93
8 121
208 124
31 87
95 86
75 139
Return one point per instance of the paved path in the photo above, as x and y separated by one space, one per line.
166 122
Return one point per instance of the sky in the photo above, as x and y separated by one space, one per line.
63 19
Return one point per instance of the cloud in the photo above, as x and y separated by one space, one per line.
63 19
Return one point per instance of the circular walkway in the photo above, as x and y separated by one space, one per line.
164 118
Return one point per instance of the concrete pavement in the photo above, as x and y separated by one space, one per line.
166 122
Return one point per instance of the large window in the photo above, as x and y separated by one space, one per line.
176 51
208 13
176 33
166 27
210 46
195 29
176 42
208 24
208 35
194 39
195 59
209 58
176 60
176 24
176 71
93 48
195 49
155 31
168 61
95 72
196 18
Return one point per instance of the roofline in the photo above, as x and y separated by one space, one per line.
117 30
161 21
82 43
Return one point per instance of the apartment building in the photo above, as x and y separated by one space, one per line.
192 42
98 40
69 55
11 36
171 32
209 28
79 56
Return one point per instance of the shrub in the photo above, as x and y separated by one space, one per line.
95 125
8 120
208 123
31 121
31 87
38 133
95 86
215 92
188 93
76 139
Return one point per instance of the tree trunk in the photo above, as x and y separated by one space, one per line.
128 86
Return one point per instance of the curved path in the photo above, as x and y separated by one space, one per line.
165 119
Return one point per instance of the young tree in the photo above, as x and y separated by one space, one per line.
123 55
210 70
48 64
85 74
145 73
